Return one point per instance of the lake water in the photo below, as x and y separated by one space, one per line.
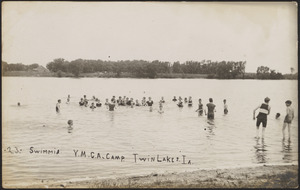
135 132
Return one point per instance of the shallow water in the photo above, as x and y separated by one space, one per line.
130 132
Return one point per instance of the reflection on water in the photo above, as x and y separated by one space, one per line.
210 129
261 150
70 129
287 151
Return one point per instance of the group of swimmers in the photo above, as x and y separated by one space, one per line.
264 109
210 106
126 101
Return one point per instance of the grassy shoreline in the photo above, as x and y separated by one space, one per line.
130 75
97 75
271 176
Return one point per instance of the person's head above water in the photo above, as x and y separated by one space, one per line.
70 122
19 104
267 100
288 102
210 100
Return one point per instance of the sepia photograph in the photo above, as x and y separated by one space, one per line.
147 94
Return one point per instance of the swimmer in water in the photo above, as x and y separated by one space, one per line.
225 107
161 107
70 127
93 106
190 102
68 99
106 102
180 104
111 106
70 123
264 111
128 102
200 108
85 100
288 119
98 103
19 104
210 109
137 103
179 98
174 99
113 99
81 103
58 106
123 102
144 103
119 101
131 102
150 103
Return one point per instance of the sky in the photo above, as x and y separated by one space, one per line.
262 34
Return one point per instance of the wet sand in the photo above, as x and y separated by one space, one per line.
278 176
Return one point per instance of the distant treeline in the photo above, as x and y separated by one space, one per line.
263 72
153 69
150 69
17 66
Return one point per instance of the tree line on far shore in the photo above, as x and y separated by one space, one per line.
151 69
18 66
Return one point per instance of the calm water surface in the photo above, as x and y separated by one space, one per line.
127 131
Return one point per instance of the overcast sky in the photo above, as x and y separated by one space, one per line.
259 33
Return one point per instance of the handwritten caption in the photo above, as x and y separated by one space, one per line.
134 157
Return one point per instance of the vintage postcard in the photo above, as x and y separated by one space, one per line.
149 94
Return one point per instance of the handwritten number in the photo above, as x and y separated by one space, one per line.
17 150
9 150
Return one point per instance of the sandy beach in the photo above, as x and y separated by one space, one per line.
267 176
